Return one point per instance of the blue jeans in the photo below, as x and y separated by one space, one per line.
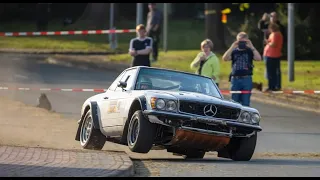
241 84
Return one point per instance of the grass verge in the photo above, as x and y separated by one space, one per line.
184 35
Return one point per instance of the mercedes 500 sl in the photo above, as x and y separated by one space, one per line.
151 108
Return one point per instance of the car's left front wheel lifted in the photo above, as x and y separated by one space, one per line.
91 138
141 133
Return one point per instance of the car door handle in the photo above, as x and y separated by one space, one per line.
106 98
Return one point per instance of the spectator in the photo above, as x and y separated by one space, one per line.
140 47
43 10
274 19
207 62
263 26
272 55
242 53
154 22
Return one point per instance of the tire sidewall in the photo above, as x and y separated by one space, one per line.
88 115
134 118
246 149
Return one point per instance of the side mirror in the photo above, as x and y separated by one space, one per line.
122 84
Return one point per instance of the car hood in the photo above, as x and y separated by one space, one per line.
191 96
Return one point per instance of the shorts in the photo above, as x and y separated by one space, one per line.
138 62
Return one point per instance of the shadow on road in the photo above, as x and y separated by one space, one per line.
140 170
296 162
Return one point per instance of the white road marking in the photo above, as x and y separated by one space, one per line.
20 76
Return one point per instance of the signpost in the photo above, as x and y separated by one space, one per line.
291 51
165 27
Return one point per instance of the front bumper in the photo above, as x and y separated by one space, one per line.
156 116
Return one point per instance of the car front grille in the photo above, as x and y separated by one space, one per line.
223 112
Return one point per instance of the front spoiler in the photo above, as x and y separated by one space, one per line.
179 116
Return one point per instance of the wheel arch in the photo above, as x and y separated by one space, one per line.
138 103
93 107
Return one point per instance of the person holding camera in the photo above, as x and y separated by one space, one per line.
207 62
242 53
263 26
140 47
275 20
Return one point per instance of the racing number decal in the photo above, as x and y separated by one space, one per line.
114 107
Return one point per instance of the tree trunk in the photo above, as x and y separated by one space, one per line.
214 26
95 16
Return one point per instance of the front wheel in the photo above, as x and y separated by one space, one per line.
91 138
141 133
245 149
240 149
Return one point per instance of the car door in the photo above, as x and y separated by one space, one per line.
106 106
122 97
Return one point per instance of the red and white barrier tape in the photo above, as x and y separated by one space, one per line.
53 89
103 90
61 33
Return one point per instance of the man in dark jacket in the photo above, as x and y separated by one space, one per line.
154 25
43 10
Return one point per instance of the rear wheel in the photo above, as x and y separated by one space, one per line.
91 138
141 133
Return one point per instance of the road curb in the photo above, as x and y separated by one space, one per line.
127 170
19 161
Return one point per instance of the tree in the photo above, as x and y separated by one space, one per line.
214 27
96 16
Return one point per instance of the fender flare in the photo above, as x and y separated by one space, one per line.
95 118
143 102
143 105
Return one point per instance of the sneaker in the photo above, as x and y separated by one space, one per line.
267 90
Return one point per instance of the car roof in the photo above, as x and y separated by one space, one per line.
147 67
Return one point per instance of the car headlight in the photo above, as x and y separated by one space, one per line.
255 118
160 104
245 117
163 104
171 105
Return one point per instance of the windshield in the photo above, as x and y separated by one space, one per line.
159 79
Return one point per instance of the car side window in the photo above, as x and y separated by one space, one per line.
128 77
115 83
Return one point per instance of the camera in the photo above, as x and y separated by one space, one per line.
242 45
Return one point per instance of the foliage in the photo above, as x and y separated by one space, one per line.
303 36
303 39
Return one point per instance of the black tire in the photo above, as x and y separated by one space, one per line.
141 141
95 139
194 154
242 149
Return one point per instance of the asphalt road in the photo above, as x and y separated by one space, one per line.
284 130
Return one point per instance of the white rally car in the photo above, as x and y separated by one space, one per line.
182 112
